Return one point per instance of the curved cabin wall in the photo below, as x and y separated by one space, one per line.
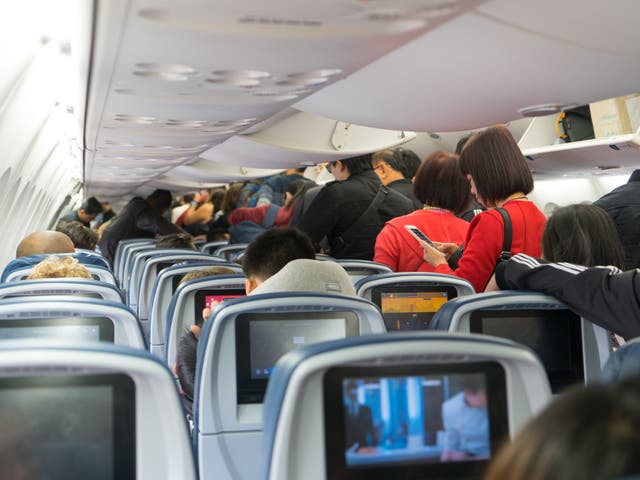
41 161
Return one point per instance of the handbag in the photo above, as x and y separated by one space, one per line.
505 254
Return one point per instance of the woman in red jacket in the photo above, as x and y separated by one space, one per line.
499 177
440 185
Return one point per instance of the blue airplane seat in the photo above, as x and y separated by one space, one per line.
137 265
150 269
164 286
409 301
90 411
231 251
572 349
20 267
359 269
186 308
391 406
123 252
81 287
68 317
239 345
210 247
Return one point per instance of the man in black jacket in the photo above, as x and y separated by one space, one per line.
605 296
139 218
623 205
351 211
395 169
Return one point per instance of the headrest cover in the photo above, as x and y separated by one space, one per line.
305 275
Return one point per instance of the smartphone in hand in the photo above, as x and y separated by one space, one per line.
418 234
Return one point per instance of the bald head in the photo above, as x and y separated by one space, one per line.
46 241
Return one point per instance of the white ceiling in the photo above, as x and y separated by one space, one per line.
174 83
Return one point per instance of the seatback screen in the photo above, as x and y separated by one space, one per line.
210 297
384 422
261 339
81 329
68 427
410 307
555 335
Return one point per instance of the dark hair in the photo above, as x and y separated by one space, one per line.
217 197
440 183
176 240
401 160
230 200
160 199
91 206
217 234
273 249
582 234
590 432
81 236
186 362
297 190
496 164
358 164
461 143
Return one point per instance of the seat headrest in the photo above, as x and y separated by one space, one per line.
305 275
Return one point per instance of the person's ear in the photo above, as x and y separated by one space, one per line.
250 284
175 368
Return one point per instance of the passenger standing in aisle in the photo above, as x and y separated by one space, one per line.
443 190
351 211
499 177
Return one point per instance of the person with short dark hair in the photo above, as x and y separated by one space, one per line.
394 172
270 251
584 235
591 432
176 240
442 189
45 241
89 209
351 211
81 236
623 205
139 218
499 178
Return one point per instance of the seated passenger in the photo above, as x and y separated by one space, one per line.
89 209
46 241
443 190
256 215
185 366
176 240
351 211
591 433
585 235
81 236
271 251
59 267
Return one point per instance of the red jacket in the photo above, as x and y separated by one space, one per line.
257 214
485 238
398 249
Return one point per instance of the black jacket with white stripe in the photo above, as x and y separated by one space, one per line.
606 296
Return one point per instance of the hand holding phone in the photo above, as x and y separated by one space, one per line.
418 234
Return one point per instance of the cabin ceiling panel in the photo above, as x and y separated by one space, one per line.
191 74
482 67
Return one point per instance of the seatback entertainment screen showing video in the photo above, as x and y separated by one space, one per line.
389 419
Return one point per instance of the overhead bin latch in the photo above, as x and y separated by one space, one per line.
340 137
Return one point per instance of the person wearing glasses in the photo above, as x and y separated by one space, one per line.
396 169
351 211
